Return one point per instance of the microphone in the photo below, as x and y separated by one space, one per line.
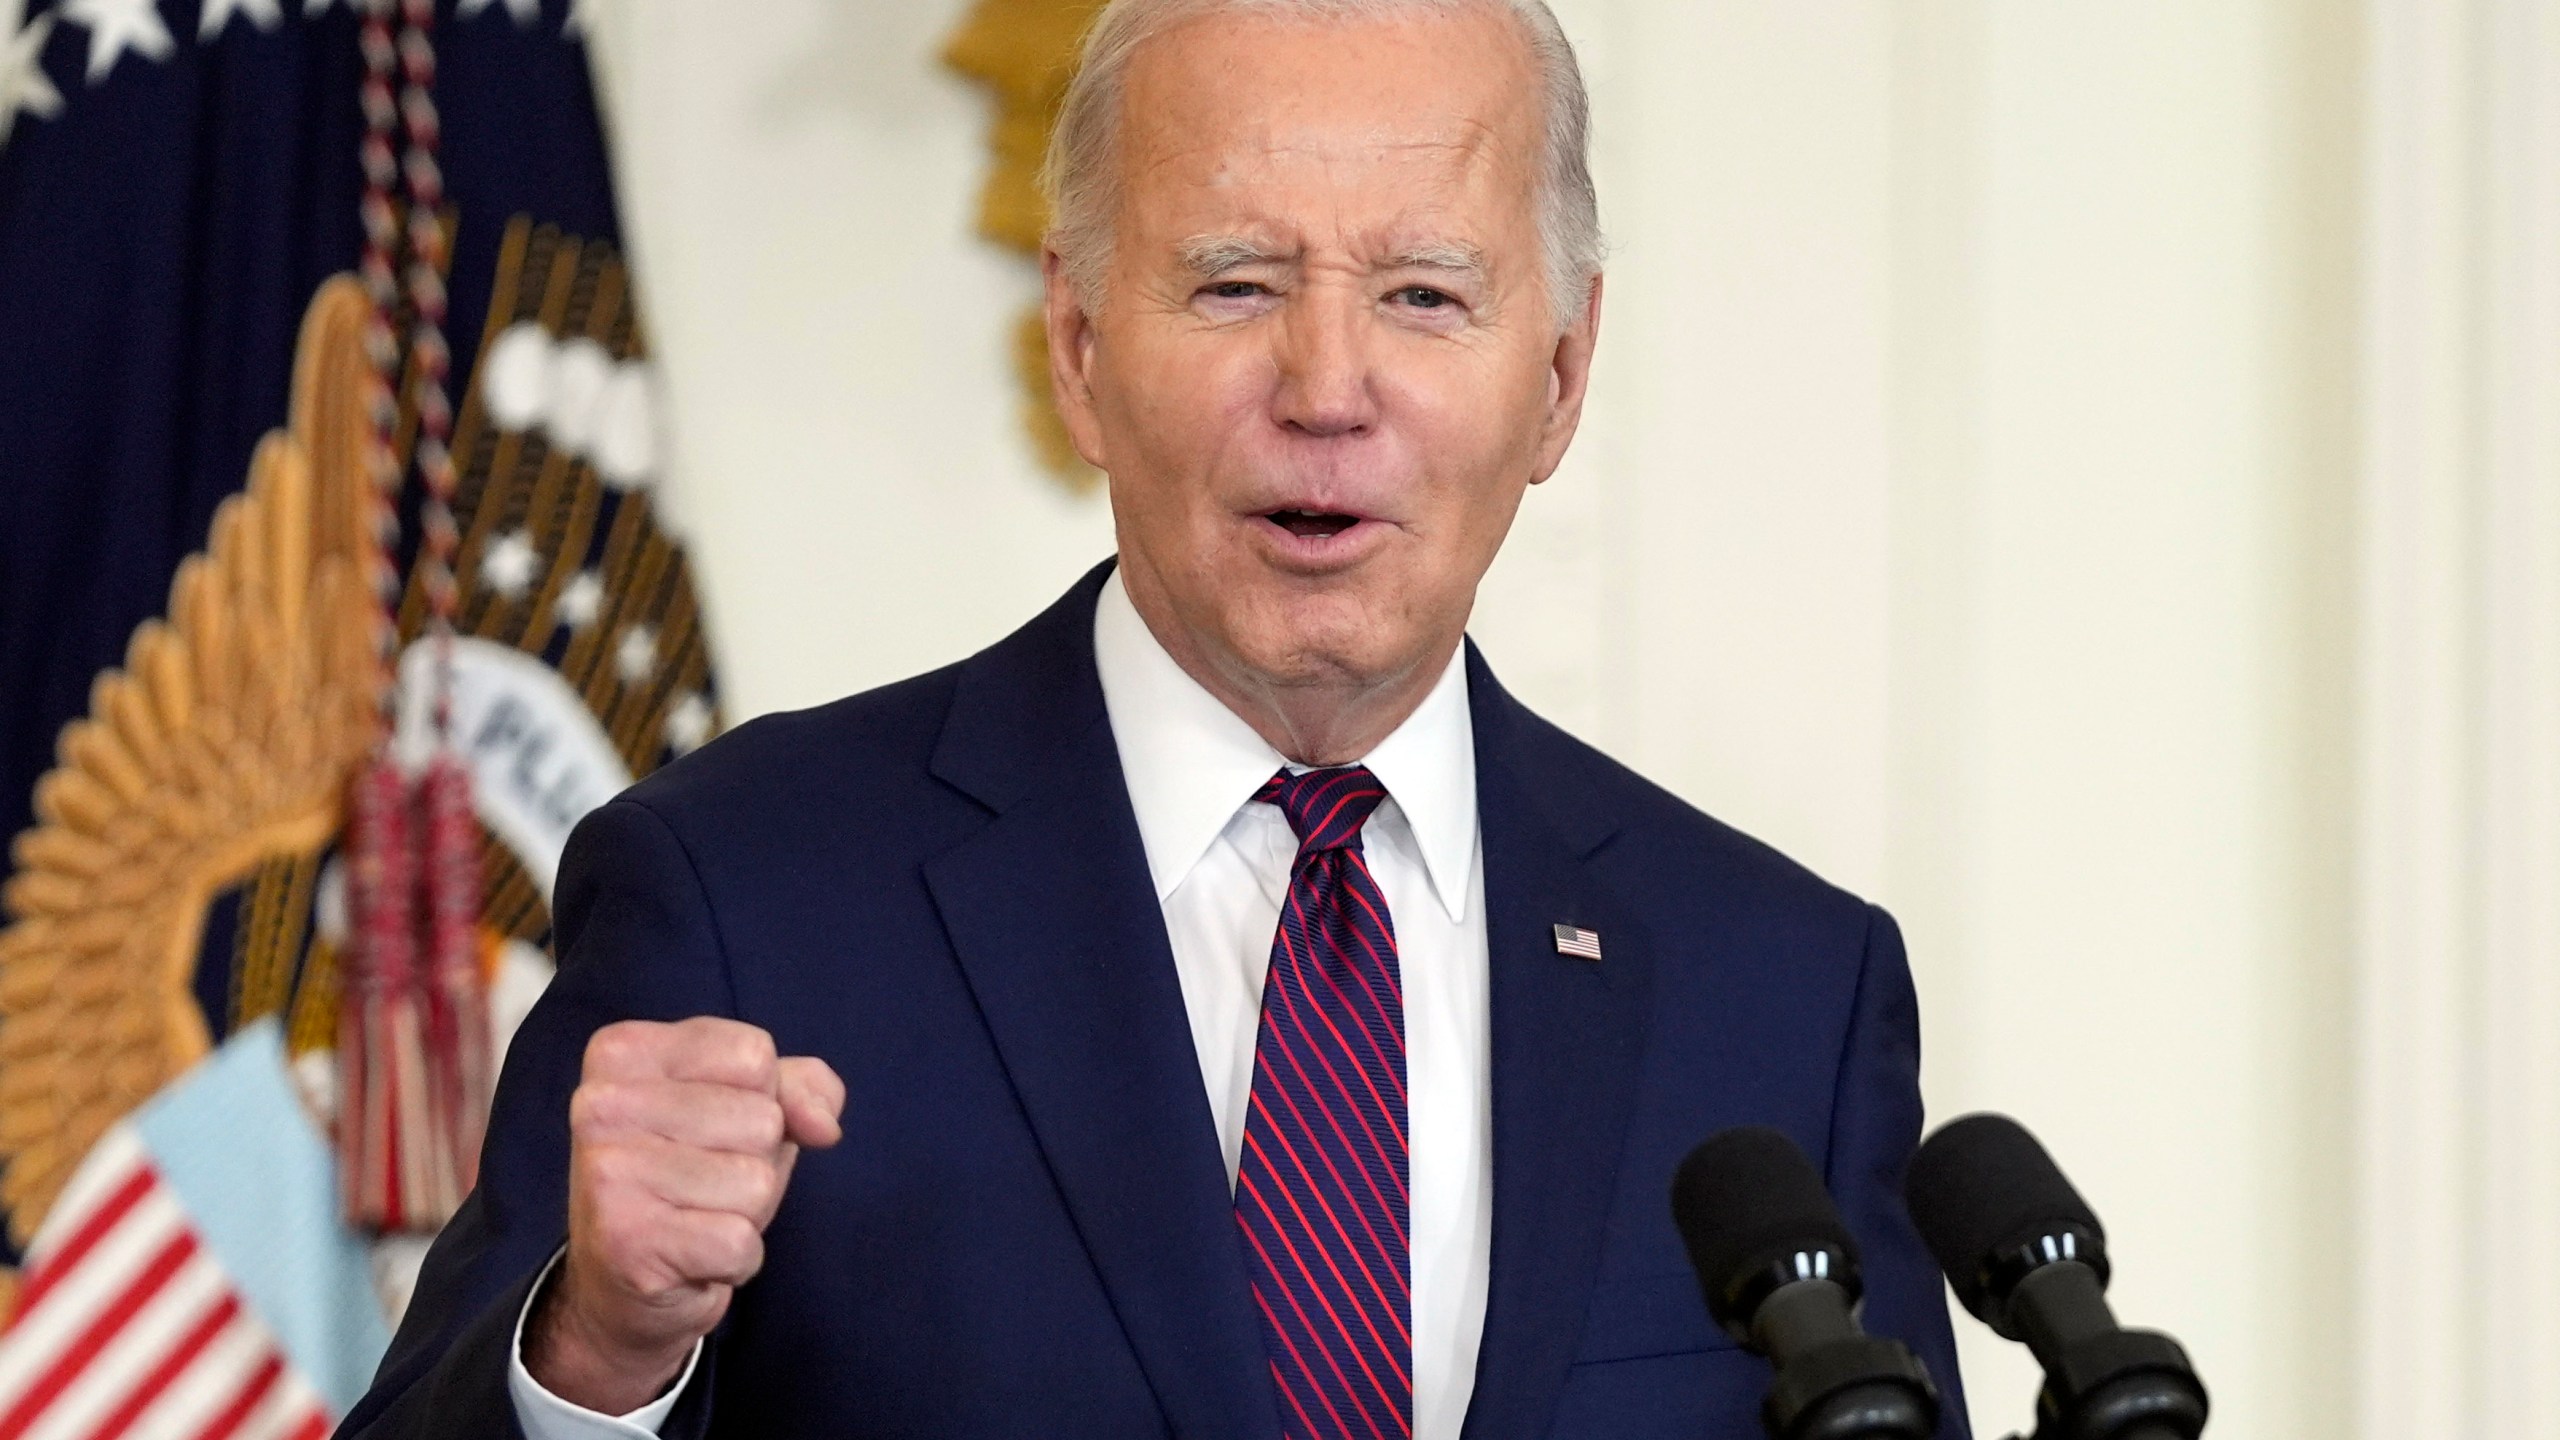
1780 1274
2026 1254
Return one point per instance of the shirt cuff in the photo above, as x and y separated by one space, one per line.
546 1416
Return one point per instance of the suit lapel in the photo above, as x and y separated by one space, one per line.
1057 928
1568 1040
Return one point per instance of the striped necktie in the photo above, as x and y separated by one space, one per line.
1321 1191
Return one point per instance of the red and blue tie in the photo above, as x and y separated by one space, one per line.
1321 1193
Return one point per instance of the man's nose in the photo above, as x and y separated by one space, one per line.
1325 384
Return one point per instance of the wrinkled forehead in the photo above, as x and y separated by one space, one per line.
1428 120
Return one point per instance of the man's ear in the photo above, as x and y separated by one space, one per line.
1568 381
1071 342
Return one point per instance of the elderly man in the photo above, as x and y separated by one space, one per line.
1218 1010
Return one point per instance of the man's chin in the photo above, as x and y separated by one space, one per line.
1296 650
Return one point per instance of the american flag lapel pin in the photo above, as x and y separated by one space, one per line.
1577 942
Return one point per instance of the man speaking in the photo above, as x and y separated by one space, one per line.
1218 1010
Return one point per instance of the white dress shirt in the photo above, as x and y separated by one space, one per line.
1221 868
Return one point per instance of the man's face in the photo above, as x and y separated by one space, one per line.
1325 368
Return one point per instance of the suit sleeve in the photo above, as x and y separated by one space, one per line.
1875 1127
636 940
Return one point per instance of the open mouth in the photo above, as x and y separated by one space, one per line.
1309 524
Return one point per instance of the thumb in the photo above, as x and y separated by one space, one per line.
812 1101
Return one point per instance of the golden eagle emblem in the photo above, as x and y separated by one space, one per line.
224 741
212 766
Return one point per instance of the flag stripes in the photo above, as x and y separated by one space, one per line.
128 1327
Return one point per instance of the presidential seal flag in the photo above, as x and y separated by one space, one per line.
334 588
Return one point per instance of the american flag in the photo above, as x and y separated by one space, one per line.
1577 942
128 1324
178 180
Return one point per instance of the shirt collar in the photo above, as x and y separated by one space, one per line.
1190 763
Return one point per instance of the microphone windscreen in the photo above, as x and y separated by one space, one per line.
1744 1197
1982 1183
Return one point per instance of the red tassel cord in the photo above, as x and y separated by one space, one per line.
415 1051
456 988
377 1013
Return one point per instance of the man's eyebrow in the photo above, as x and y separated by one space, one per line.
1456 257
1210 256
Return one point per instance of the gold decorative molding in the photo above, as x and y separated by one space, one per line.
1024 52
225 740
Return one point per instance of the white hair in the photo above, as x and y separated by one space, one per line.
1080 180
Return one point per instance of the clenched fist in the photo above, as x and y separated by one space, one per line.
681 1139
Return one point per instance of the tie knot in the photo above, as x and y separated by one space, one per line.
1325 807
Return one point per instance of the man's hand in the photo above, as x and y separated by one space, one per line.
681 1139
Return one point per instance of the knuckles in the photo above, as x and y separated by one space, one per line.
739 1120
741 1053
764 1188
762 1124
615 1179
707 1047
752 1183
625 1236
733 1246
596 1105
605 1172
665 1216
622 1047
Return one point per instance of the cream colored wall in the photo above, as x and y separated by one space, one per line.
799 193
1962 508
2121 483
2458 669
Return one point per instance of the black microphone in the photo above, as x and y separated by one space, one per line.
1781 1275
2027 1255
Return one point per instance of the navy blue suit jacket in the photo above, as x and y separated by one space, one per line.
938 887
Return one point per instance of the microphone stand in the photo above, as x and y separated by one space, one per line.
2102 1382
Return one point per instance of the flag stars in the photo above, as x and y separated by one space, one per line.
581 600
509 564
116 26
218 13
688 723
525 12
23 84
119 27
636 657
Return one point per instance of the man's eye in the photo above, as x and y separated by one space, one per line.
1233 290
1423 297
